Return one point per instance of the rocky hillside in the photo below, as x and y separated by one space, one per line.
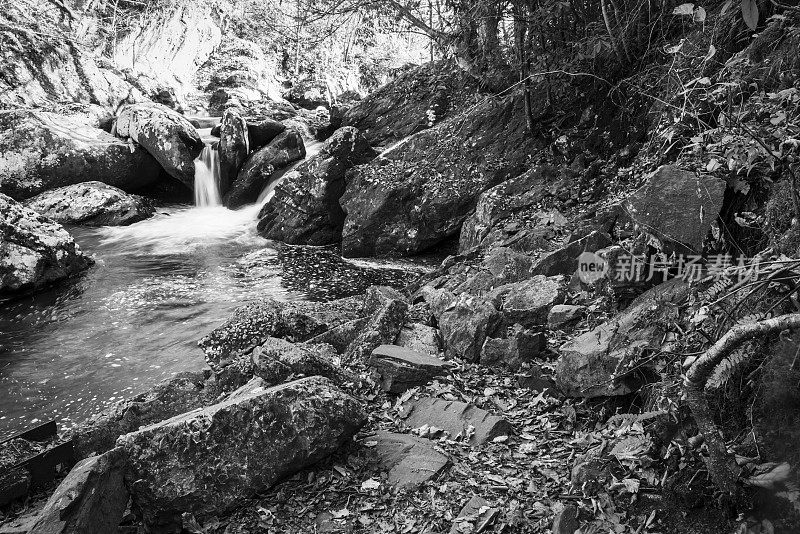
610 344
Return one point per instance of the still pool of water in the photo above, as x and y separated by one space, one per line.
135 317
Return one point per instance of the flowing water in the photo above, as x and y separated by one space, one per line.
157 287
206 178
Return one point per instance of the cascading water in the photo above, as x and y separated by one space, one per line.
206 178
157 286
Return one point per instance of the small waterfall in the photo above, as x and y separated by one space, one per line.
206 178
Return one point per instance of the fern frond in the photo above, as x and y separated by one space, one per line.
727 369
716 289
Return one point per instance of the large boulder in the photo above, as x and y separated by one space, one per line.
92 498
677 207
91 204
34 251
41 151
305 208
208 461
233 148
417 99
592 365
166 134
285 148
419 192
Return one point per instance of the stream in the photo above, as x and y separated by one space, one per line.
135 317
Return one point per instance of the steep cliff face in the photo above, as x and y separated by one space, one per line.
43 60
170 47
74 54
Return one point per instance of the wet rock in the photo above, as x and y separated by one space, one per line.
92 498
677 207
566 520
277 359
518 347
460 420
182 393
528 303
387 314
305 208
233 148
258 169
263 131
564 314
34 251
410 461
419 338
465 324
208 461
565 259
251 325
419 193
166 134
41 151
401 368
587 364
91 204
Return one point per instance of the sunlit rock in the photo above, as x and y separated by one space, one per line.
34 251
41 150
166 134
91 204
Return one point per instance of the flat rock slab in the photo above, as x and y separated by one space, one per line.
409 460
208 461
401 368
455 418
